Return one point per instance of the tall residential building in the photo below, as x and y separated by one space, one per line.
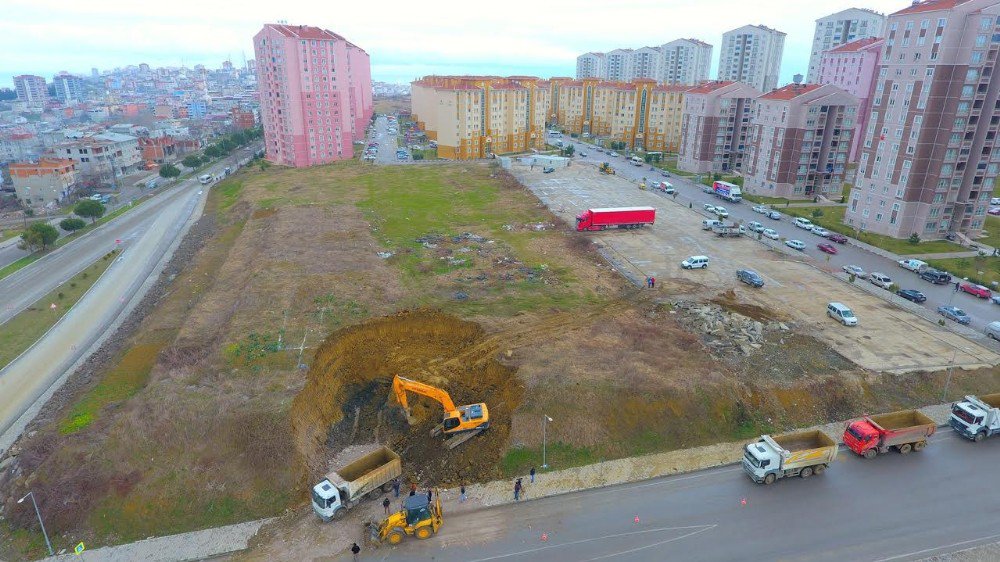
752 54
930 157
646 62
590 65
798 142
69 88
46 181
714 126
315 94
837 29
685 61
475 116
852 67
617 65
31 89
642 114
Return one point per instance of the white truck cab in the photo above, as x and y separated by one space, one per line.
976 418
326 501
762 458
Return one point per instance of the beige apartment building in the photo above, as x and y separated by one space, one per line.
714 126
642 114
475 116
799 140
930 156
45 182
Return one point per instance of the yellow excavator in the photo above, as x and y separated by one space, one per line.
419 518
458 425
607 169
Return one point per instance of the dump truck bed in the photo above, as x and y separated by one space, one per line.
991 400
905 426
806 448
367 472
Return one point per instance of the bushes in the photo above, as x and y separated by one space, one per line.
71 225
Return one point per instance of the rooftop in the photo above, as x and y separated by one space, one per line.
930 6
709 87
855 46
791 91
304 31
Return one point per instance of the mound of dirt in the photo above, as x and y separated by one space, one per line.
347 397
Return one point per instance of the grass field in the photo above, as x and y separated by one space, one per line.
833 219
21 331
982 270
992 228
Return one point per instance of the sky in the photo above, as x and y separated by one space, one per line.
405 39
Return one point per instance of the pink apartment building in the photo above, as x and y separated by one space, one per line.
315 94
852 68
714 126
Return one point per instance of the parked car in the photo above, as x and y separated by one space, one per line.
912 265
855 271
935 276
709 207
995 211
912 295
613 153
582 154
721 212
796 245
976 290
954 313
803 223
993 330
771 233
695 262
760 209
826 248
709 224
755 226
774 215
820 231
995 299
750 277
843 314
548 170
994 200
837 237
880 280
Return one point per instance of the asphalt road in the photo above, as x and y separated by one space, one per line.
146 234
893 507
982 311
387 143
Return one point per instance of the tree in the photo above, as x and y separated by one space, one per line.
191 161
94 210
914 239
568 150
169 171
213 151
70 225
38 236
817 213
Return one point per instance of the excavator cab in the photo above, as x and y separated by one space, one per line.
419 518
458 424
473 414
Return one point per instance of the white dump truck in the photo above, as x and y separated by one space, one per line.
344 488
801 453
976 417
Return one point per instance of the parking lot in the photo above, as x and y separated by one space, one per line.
887 339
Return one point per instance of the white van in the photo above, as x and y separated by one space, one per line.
880 280
695 262
709 224
841 313
803 223
636 161
993 330
205 178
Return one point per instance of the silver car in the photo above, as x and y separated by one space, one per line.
855 271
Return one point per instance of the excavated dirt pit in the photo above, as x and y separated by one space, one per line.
347 399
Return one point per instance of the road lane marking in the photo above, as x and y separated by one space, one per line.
637 549
699 529
926 550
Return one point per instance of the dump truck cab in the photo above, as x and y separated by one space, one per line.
861 436
419 518
326 500
976 418
762 458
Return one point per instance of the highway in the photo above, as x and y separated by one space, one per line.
982 311
146 235
893 507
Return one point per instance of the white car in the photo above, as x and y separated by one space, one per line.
880 280
755 226
770 233
995 201
613 153
820 231
760 209
912 264
855 271
709 207
796 245
803 223
722 212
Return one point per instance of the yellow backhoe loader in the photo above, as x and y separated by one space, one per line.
607 169
419 518
459 424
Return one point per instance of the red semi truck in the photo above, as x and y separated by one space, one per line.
904 431
615 217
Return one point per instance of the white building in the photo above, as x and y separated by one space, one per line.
69 88
646 62
107 156
590 65
685 62
842 27
618 65
752 54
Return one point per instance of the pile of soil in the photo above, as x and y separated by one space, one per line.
347 399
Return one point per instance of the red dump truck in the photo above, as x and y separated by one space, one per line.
905 431
615 217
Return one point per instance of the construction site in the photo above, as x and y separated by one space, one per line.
271 352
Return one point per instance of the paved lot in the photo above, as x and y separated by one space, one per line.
887 339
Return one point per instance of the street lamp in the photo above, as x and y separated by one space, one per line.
39 514
951 367
545 420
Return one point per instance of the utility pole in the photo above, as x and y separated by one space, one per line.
545 420
39 514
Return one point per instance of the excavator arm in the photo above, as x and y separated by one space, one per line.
400 385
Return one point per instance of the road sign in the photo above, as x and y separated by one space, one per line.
79 549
